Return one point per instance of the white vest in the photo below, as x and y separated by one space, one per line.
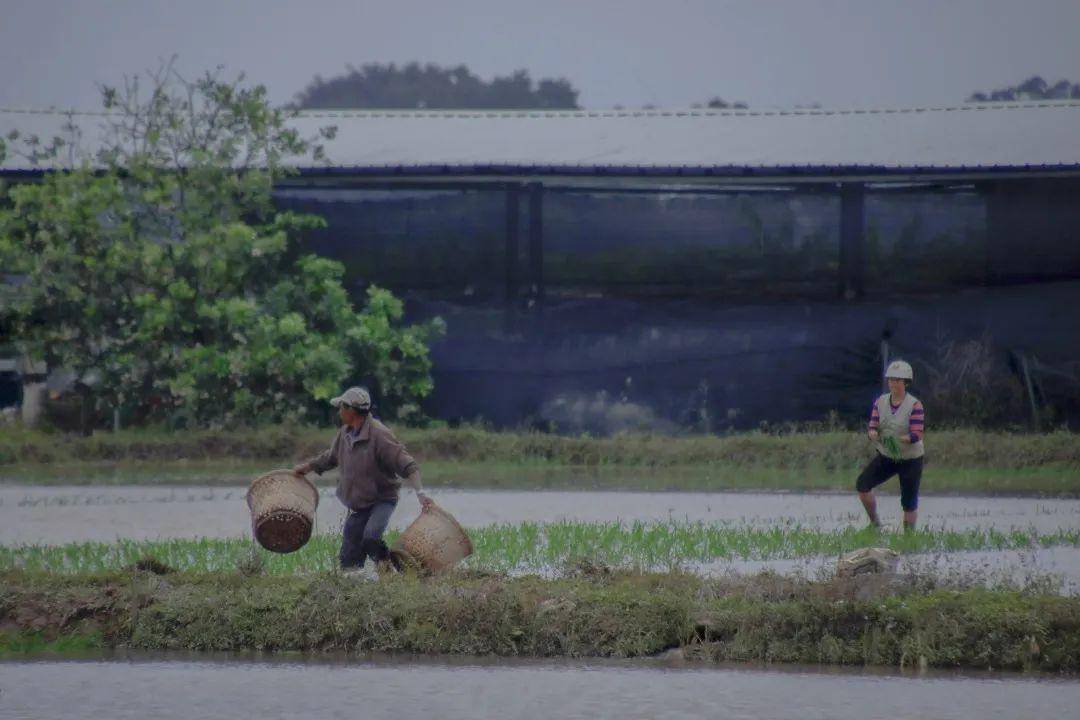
897 424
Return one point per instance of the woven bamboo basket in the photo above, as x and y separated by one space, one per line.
434 542
282 506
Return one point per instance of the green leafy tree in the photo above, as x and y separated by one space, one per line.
160 274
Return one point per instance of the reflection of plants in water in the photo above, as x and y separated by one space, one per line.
536 546
449 262
872 248
719 264
754 242
907 240
105 499
911 258
754 224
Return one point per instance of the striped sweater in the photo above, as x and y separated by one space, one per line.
916 423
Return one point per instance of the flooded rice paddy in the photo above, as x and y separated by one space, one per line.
60 514
54 515
182 687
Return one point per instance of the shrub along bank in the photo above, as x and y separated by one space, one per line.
591 613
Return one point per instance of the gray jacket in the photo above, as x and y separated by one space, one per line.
373 463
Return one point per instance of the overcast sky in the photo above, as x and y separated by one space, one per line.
671 53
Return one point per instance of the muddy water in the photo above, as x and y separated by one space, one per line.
60 514
183 689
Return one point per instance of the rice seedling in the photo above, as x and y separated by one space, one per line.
529 547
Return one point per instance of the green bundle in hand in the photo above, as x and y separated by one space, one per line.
892 446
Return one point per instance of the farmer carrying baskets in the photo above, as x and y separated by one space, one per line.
374 464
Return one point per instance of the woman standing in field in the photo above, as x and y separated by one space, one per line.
897 422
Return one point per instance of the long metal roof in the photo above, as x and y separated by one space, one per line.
1026 138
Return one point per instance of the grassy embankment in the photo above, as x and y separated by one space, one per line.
591 613
959 461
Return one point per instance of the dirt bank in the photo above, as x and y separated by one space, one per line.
594 613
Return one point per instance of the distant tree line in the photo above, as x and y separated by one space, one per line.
433 87
719 103
1034 88
430 86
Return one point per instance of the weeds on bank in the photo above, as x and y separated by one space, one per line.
224 479
14 643
539 547
829 450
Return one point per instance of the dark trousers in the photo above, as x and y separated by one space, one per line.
361 538
882 468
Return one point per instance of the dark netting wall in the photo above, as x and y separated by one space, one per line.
733 245
708 311
452 243
1033 231
738 246
447 244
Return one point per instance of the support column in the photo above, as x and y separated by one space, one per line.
852 239
536 242
513 212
